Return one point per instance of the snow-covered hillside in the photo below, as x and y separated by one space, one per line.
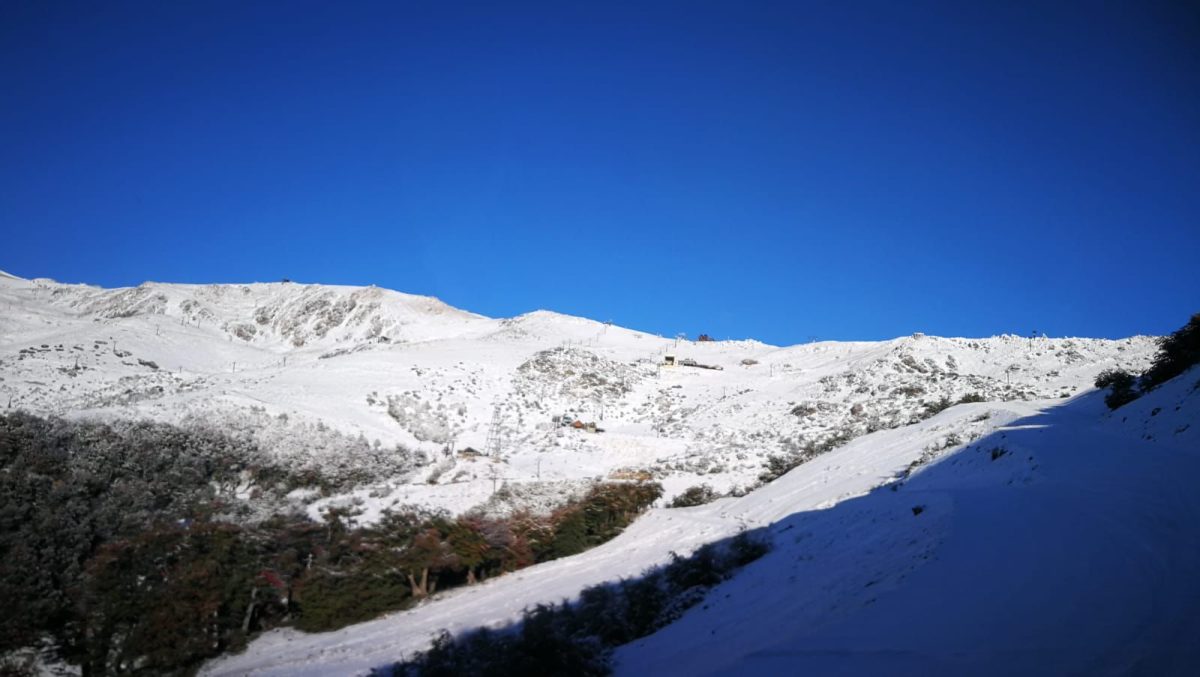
1063 543
324 376
1060 540
960 499
327 376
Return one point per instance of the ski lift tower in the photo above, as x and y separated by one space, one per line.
495 436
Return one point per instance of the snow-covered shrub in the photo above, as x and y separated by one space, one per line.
439 470
535 498
692 496
807 409
934 407
427 422
576 375
778 465
313 453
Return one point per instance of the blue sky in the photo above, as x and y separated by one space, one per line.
771 170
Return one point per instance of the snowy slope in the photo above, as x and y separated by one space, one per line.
1072 552
281 360
857 581
847 472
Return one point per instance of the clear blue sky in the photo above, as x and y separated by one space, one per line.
772 170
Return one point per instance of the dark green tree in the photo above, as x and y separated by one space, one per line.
1177 353
1121 385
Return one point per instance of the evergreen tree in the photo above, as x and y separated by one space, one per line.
1177 352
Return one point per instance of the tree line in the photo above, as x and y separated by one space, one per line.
124 545
1177 352
577 638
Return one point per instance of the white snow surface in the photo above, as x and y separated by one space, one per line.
282 360
1053 537
1072 552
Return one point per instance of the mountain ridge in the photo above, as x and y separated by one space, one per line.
408 370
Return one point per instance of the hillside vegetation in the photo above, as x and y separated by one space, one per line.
135 547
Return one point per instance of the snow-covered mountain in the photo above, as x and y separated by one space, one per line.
329 377
1061 540
962 506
